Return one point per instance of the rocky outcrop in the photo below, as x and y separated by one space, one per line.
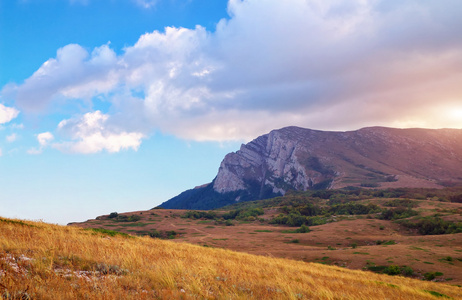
294 158
277 160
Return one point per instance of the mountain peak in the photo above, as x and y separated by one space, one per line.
294 158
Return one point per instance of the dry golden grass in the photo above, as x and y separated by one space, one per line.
44 261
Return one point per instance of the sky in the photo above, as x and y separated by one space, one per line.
119 105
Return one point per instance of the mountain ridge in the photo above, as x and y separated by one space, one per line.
295 158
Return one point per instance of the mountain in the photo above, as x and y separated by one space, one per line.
294 158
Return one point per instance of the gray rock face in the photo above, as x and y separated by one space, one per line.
276 160
295 158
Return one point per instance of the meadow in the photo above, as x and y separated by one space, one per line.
45 261
414 233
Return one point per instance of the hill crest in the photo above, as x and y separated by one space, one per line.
294 158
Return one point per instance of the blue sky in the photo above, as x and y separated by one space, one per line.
120 105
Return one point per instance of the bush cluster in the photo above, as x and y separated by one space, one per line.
169 234
243 214
122 218
296 220
194 214
392 270
303 229
312 215
433 226
432 275
248 214
401 203
398 213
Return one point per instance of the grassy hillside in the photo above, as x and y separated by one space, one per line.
43 261
413 232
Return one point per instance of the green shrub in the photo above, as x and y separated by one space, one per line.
398 213
134 218
353 209
162 234
243 214
401 203
131 218
392 270
155 234
437 294
171 232
407 271
377 269
390 242
107 232
433 225
193 214
432 275
303 229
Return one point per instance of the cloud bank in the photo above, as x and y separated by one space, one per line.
325 64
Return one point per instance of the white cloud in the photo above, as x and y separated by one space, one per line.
93 133
327 64
74 73
7 114
45 138
11 138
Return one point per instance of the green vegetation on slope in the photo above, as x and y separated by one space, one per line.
320 207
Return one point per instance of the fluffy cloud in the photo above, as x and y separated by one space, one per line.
44 140
93 133
74 73
325 64
7 114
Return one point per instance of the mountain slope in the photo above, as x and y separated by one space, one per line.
294 158
44 261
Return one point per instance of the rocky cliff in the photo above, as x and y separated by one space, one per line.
294 158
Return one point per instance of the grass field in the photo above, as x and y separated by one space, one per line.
359 242
43 261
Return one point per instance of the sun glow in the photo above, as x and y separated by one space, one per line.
456 114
